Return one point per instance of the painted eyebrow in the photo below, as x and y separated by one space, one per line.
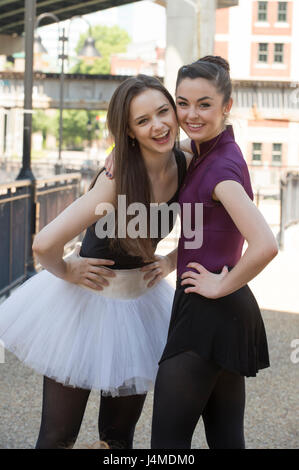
145 115
200 99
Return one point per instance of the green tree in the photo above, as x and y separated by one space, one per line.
108 41
46 123
75 129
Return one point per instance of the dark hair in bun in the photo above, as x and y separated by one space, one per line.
213 68
217 60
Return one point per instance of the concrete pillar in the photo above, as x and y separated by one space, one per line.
9 137
181 38
9 44
14 132
18 122
190 34
206 24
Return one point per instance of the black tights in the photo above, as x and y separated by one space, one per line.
63 410
188 387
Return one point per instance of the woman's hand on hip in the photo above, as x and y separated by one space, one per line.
203 282
89 272
155 271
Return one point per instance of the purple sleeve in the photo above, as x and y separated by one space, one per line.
223 169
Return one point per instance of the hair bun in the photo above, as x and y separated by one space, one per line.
217 60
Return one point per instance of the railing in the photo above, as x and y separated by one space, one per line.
15 227
53 195
9 169
289 200
25 208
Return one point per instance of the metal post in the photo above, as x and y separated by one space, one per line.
30 11
61 98
63 39
26 172
282 213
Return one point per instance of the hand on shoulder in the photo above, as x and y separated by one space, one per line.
105 183
188 157
185 146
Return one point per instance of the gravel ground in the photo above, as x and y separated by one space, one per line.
272 408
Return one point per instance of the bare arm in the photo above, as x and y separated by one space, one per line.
49 242
262 246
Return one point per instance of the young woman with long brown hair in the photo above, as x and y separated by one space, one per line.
67 322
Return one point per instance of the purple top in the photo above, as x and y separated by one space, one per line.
220 159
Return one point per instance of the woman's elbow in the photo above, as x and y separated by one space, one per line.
275 249
270 250
39 245
265 248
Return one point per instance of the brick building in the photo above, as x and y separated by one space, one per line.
261 41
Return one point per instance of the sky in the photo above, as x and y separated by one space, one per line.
144 21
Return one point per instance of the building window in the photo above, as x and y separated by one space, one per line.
263 52
282 12
256 153
278 53
262 14
276 154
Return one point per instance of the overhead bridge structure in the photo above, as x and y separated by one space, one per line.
92 92
12 14
190 34
271 100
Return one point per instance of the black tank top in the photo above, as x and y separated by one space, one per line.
94 247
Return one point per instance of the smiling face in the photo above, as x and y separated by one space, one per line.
153 122
200 109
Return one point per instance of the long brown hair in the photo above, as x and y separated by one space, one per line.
130 174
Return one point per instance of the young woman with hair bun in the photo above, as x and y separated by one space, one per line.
216 335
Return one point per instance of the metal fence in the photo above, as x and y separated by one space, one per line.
25 208
289 204
14 231
53 195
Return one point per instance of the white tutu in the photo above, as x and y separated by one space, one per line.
85 339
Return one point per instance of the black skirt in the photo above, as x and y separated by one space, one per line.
229 331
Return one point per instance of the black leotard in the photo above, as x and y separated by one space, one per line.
94 247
